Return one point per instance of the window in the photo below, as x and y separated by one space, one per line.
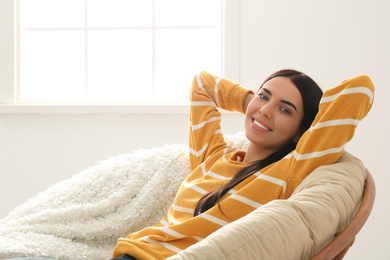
113 51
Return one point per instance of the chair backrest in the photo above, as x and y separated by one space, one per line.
339 246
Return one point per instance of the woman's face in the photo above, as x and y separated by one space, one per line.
274 115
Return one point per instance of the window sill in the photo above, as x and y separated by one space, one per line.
92 109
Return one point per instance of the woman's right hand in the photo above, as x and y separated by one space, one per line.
248 99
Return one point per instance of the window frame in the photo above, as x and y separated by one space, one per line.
8 69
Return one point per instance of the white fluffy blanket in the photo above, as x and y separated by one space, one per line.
82 217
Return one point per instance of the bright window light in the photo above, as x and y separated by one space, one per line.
132 51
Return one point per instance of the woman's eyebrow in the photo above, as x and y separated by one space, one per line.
268 92
290 104
283 101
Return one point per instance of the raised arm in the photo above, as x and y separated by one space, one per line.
209 92
341 109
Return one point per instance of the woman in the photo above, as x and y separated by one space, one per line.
224 185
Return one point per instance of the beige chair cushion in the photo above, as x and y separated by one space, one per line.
295 228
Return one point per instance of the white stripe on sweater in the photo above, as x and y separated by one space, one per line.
166 245
182 209
307 156
164 222
246 201
173 221
194 187
204 148
200 84
223 157
200 152
176 234
272 180
216 91
202 103
217 176
203 168
225 151
347 91
336 122
200 125
232 191
214 219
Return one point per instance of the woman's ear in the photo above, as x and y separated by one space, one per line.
296 138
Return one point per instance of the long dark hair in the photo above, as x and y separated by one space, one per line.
311 95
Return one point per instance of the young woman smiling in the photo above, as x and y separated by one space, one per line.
226 185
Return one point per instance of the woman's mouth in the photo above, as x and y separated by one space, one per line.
261 125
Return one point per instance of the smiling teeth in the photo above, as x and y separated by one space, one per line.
260 125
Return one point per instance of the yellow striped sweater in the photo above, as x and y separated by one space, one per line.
213 164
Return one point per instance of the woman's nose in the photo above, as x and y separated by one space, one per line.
266 110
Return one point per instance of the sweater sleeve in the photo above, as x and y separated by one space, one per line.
341 109
209 92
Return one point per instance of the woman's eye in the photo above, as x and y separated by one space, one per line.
262 96
285 110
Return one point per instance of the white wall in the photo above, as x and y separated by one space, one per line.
329 40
